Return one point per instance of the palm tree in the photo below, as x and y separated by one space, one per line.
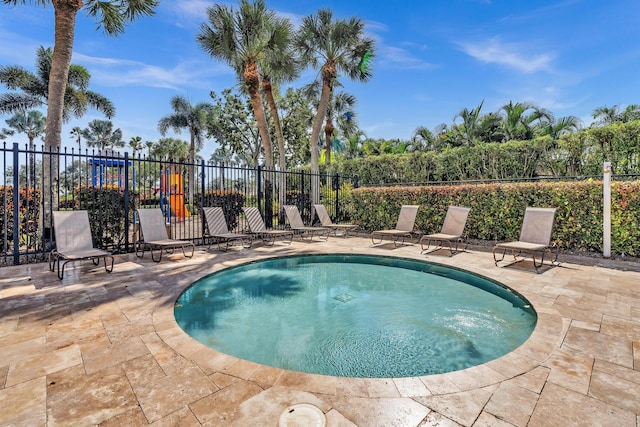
32 124
337 47
100 134
5 133
76 133
136 144
605 116
517 124
243 38
34 89
468 131
340 107
192 118
278 66
112 15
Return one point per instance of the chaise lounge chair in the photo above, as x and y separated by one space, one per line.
257 228
74 241
451 232
535 238
325 220
404 226
218 230
298 227
155 235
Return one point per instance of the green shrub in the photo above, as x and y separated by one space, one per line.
106 208
497 210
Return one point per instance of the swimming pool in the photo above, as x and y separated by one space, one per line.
355 315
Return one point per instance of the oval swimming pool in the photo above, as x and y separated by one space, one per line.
355 315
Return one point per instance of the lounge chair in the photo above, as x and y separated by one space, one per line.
74 241
404 226
257 228
155 235
535 238
451 232
325 220
298 227
218 230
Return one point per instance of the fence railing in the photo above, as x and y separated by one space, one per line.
111 186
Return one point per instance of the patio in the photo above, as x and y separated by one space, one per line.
104 349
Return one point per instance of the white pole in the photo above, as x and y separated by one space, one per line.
606 219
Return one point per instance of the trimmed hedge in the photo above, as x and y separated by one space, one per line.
231 201
497 210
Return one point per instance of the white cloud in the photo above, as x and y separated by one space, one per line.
508 54
119 72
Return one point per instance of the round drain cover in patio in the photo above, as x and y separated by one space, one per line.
302 415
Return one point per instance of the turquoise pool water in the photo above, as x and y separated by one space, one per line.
355 315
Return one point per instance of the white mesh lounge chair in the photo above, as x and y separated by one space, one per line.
535 238
325 220
404 227
219 231
257 228
74 241
451 232
298 227
154 235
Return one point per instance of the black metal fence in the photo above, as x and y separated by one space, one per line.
111 186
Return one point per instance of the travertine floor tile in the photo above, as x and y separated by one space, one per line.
380 412
43 364
463 407
221 407
168 394
559 406
77 399
24 404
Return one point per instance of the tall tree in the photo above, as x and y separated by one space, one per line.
136 144
340 119
243 38
194 118
112 15
76 133
32 124
336 47
100 134
33 89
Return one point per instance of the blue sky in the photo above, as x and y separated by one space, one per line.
433 58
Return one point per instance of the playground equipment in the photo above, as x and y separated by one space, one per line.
172 189
103 172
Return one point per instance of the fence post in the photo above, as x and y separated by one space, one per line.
16 206
126 201
606 220
202 198
302 196
259 188
337 181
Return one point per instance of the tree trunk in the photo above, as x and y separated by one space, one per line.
252 80
191 176
328 133
65 21
282 163
315 135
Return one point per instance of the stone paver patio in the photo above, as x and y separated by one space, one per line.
104 349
